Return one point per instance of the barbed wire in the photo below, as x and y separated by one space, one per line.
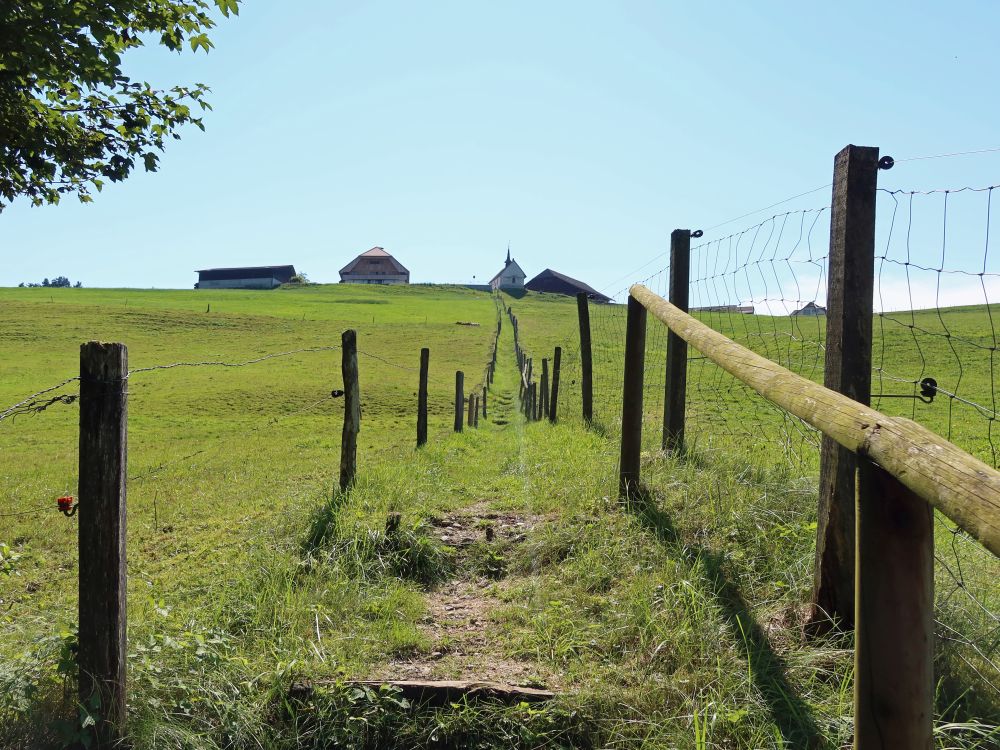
219 363
13 410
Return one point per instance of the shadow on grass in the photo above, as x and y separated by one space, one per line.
789 713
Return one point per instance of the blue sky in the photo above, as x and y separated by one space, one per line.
582 133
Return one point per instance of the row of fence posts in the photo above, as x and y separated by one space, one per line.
101 657
467 409
538 400
875 549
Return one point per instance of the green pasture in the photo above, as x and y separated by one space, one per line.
955 346
217 455
672 624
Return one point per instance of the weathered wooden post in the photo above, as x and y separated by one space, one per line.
544 401
425 359
894 633
635 356
471 409
675 382
101 658
485 391
352 409
554 399
533 409
459 399
847 370
586 358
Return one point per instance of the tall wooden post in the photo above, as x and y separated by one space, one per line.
635 356
485 391
586 357
675 388
352 409
459 399
425 359
544 400
521 369
894 636
847 370
101 496
554 399
471 409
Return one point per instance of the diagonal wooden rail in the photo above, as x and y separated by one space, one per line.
961 486
903 471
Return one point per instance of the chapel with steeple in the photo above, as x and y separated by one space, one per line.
510 276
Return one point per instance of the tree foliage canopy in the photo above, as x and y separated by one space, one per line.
70 119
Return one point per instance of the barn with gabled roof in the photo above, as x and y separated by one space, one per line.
374 266
559 283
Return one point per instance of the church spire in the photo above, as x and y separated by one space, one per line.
507 263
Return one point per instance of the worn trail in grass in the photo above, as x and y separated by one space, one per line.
459 623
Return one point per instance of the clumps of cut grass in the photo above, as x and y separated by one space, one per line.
363 718
366 554
486 559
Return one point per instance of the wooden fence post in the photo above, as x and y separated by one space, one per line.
586 357
635 356
352 410
425 359
894 636
554 399
675 382
544 401
103 452
847 370
471 410
459 399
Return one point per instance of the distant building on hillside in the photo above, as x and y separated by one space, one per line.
740 309
375 266
510 276
810 309
251 277
558 283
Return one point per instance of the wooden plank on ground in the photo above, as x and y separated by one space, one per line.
443 692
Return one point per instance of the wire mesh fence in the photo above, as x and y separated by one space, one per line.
934 343
937 287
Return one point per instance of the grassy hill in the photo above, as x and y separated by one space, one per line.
673 624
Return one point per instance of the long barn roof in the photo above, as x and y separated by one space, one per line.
282 273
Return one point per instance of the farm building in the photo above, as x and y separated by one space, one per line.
375 266
251 277
740 309
510 276
810 309
558 283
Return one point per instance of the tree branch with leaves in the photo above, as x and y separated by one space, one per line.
70 118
